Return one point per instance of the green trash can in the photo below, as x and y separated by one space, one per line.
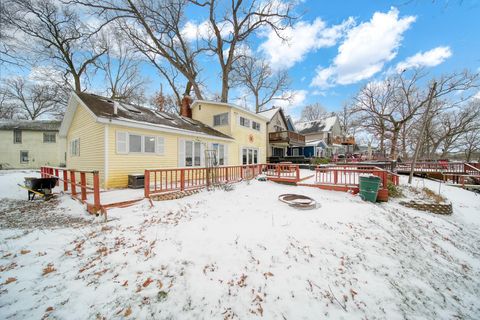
369 186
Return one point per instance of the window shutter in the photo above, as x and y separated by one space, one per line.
161 145
122 142
225 154
181 153
202 154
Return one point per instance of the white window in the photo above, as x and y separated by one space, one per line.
192 153
149 144
49 137
17 136
221 153
295 151
250 156
75 147
244 122
23 156
135 143
255 125
220 119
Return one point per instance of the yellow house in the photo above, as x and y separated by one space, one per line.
119 139
30 144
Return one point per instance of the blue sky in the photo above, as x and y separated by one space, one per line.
335 47
440 36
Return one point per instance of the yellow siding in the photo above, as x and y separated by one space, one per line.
234 129
91 135
204 113
121 165
39 153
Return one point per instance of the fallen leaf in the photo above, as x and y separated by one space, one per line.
24 251
147 282
49 309
127 312
48 269
9 280
125 283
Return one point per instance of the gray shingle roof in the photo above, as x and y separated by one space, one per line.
104 107
33 125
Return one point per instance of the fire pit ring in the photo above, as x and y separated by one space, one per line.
298 201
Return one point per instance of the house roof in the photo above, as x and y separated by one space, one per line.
33 125
104 108
258 116
321 125
269 113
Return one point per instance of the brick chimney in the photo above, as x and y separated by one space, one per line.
185 109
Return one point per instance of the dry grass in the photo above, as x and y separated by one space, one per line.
48 269
437 198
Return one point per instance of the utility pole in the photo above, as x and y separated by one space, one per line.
420 136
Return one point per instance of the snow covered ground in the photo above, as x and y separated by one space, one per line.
242 254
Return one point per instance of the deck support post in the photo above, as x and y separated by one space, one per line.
65 180
146 187
72 183
83 184
96 191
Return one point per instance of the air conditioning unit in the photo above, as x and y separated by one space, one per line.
136 181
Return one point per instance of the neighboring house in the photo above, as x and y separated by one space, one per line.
118 139
323 129
30 144
281 133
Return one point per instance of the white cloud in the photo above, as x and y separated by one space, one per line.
297 100
477 95
429 58
203 30
301 38
365 50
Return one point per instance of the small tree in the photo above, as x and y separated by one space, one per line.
313 112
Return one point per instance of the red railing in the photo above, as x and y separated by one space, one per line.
433 166
85 181
181 179
349 175
282 171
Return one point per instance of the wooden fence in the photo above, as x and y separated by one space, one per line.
78 182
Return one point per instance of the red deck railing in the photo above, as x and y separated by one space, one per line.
181 179
435 166
85 181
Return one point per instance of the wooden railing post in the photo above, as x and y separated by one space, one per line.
182 179
297 169
278 170
83 186
96 191
335 177
72 182
241 172
65 180
146 186
56 175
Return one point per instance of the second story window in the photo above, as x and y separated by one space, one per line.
220 119
255 125
49 137
244 122
17 136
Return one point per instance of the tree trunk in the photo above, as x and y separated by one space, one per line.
393 147
224 97
78 86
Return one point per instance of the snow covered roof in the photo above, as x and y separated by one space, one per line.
270 113
317 143
33 125
321 125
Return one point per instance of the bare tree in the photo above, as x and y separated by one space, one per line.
257 76
165 102
121 69
54 33
471 143
33 100
313 112
155 29
234 23
348 119
8 110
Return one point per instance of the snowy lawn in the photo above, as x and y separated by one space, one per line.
243 254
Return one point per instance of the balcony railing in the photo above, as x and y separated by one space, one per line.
343 140
289 137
